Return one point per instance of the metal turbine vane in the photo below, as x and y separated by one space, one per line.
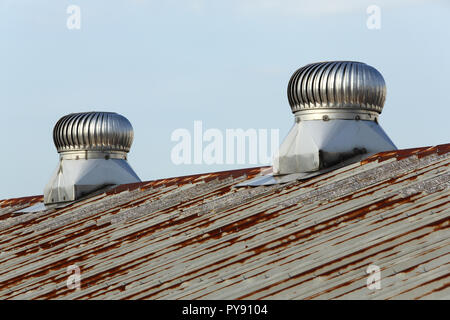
336 107
93 149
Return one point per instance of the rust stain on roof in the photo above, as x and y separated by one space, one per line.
201 237
28 201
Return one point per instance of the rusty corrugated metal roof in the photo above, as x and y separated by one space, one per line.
199 237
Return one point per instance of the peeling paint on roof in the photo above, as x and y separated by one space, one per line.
200 237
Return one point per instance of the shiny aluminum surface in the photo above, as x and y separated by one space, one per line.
336 107
93 131
337 85
93 149
333 114
86 155
314 145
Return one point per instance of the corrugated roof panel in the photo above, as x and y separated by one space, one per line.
200 237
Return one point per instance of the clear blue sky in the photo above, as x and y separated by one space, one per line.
164 64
